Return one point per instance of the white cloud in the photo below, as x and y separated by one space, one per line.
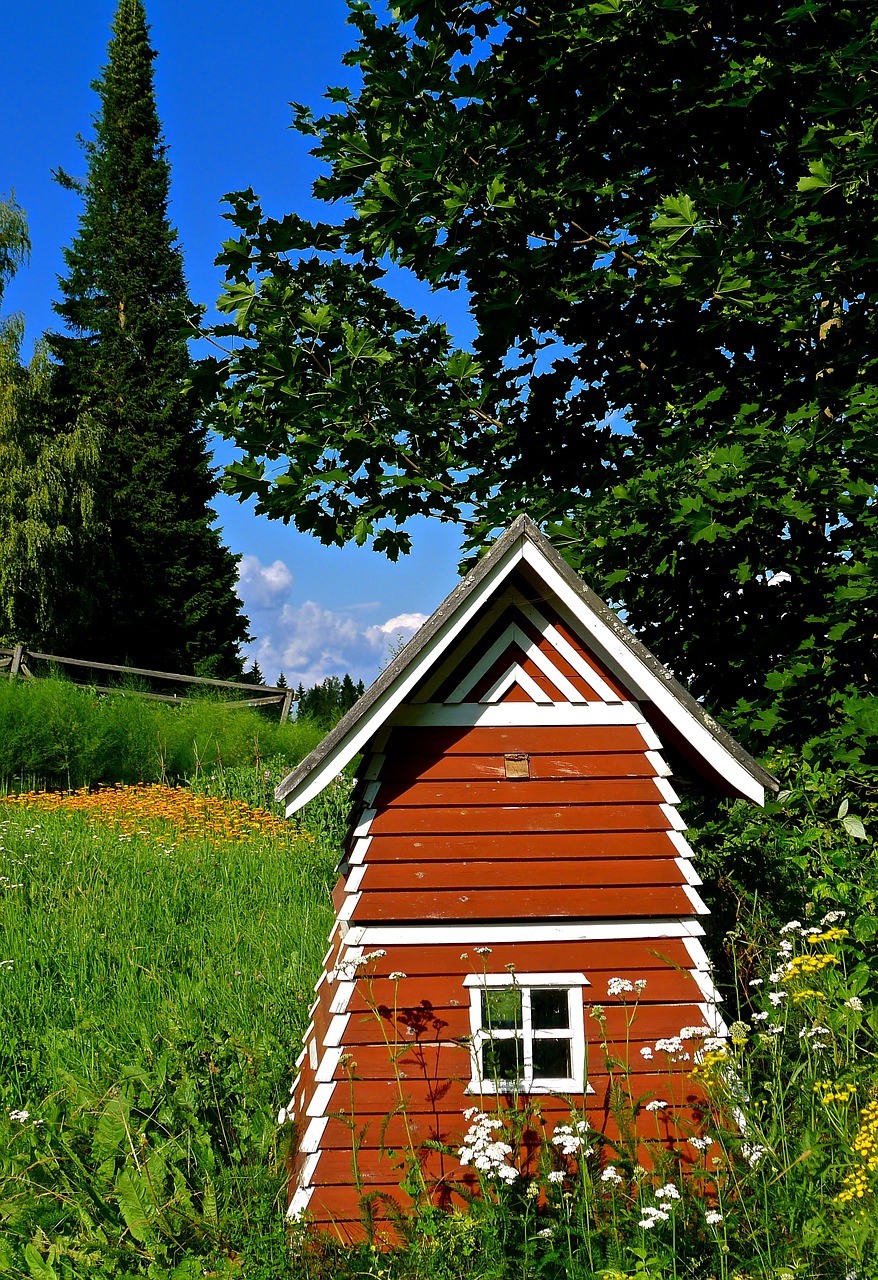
307 641
261 586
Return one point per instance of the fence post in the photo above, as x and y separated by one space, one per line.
285 708
17 660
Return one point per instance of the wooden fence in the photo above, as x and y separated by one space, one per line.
14 662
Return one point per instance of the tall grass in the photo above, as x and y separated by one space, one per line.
153 994
57 734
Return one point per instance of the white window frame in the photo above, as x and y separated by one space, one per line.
575 1034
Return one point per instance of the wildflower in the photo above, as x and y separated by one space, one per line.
673 1046
753 1153
832 917
566 1139
854 1002
760 1017
20 1116
773 1029
533 1191
640 985
482 951
616 986
610 1175
546 1233
656 1105
556 1176
694 1033
652 1215
646 1052
712 1218
397 975
667 1192
715 1044
701 1144
776 997
755 982
374 955
482 1151
792 926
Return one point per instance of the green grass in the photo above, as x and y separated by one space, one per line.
166 987
57 734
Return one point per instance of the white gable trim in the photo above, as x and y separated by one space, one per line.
514 635
384 707
553 635
518 714
646 686
516 675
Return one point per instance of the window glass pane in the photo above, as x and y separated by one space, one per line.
502 1009
549 1008
552 1059
502 1059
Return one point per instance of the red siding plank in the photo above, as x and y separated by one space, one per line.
506 845
550 873
460 767
631 959
524 792
549 739
561 817
523 904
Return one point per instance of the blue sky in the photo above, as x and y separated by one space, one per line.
225 74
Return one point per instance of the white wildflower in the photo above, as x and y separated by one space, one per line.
714 1044
792 926
854 1002
397 975
652 1215
616 986
760 1017
694 1033
482 951
833 917
566 1139
556 1176
640 985
712 1218
667 1192
774 1029
610 1175
20 1116
753 1153
482 1151
646 1052
776 997
656 1105
755 982
374 955
546 1233
701 1144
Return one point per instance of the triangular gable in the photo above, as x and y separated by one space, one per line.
478 602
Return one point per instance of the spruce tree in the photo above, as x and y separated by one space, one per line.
164 586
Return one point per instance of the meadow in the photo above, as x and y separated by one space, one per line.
159 948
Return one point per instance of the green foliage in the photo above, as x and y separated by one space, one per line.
663 214
164 585
48 529
56 734
14 240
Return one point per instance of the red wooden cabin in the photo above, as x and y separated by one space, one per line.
516 845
